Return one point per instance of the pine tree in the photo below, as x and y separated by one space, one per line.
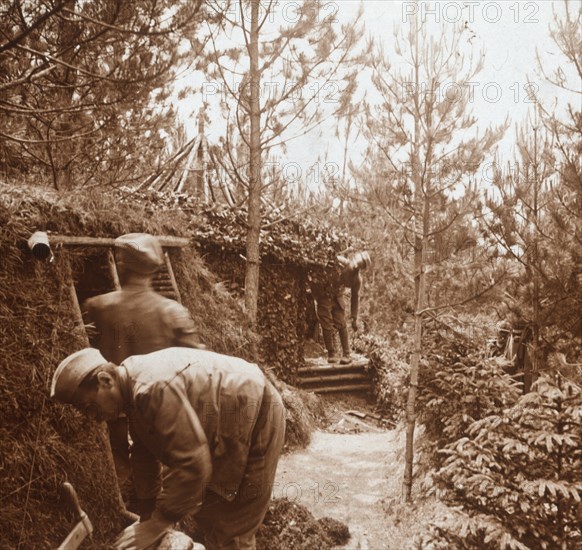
275 70
535 213
422 134
85 87
519 220
516 475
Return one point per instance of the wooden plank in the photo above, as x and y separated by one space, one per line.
168 241
187 168
330 369
77 314
335 378
357 360
113 269
366 425
335 389
80 324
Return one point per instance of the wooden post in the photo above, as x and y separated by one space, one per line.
79 322
113 269
103 436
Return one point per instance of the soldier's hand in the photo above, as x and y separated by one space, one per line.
355 326
142 535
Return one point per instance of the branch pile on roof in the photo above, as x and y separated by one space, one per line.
285 238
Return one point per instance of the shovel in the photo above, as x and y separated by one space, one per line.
83 528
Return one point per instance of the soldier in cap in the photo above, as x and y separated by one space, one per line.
136 320
213 421
330 302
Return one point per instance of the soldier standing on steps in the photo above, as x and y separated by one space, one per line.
134 321
330 304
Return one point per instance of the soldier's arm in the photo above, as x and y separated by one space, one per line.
147 477
355 303
185 331
181 445
177 439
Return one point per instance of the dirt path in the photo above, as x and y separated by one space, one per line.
347 476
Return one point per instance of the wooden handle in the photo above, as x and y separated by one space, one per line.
73 499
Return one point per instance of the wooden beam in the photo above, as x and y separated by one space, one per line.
352 377
113 269
346 388
356 365
168 241
77 314
179 188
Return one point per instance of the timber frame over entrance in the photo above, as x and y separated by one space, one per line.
164 281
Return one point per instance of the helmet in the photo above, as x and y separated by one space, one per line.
71 372
139 252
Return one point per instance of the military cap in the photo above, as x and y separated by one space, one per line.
71 372
139 252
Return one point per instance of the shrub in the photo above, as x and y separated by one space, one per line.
459 386
516 474
389 367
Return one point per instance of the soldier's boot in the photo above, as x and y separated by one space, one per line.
329 345
345 342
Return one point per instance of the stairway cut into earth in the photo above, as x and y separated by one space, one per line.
319 376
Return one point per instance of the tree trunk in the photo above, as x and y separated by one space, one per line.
411 404
254 204
421 218
531 367
63 150
422 232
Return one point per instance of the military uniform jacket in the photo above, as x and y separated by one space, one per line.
135 321
345 277
194 411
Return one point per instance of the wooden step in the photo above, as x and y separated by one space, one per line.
340 388
162 282
329 369
352 377
317 362
322 377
